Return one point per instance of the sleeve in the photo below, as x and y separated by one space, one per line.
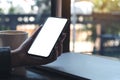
5 62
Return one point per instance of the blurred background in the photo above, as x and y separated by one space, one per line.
94 28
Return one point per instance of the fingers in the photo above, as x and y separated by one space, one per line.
59 46
58 49
62 38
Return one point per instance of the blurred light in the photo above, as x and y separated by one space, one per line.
119 4
113 0
31 19
26 19
82 7
81 19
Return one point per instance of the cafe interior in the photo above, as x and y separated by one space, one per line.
91 48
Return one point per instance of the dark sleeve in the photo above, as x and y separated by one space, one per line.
5 62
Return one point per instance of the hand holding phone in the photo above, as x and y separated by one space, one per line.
48 37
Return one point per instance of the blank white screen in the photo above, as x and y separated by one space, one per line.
47 37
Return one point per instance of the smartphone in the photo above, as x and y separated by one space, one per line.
48 36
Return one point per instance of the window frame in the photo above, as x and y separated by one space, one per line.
61 8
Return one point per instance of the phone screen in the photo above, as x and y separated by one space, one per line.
47 37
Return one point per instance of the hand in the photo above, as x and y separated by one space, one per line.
20 57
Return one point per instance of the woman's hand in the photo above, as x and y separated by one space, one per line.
20 57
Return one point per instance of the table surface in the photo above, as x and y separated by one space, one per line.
88 66
73 65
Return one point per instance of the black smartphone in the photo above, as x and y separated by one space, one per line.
48 36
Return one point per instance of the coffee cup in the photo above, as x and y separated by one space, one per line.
12 38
